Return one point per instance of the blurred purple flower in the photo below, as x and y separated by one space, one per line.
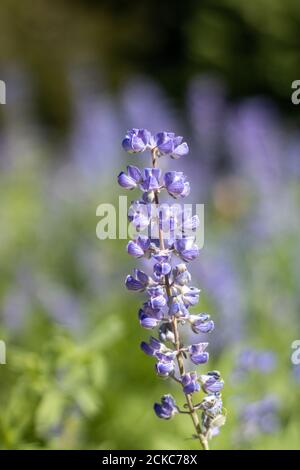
259 417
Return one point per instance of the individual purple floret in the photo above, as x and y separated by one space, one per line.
154 346
164 235
138 247
138 282
132 179
212 405
165 364
167 409
136 140
161 269
169 144
138 215
211 382
176 184
197 352
190 383
201 323
151 179
186 248
149 317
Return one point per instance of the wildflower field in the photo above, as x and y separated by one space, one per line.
73 372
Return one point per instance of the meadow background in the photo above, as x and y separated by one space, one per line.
78 75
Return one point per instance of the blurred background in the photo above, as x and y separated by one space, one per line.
78 74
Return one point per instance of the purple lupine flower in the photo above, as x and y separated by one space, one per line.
165 354
136 140
152 347
143 277
149 317
212 414
126 181
157 296
169 144
155 290
216 409
158 301
181 275
178 309
212 405
165 365
186 248
201 323
135 173
134 249
189 382
139 281
132 179
164 368
139 247
134 284
197 352
161 269
190 295
170 295
138 215
167 409
151 179
211 382
147 321
162 256
176 184
199 358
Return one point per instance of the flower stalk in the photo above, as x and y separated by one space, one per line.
170 235
180 360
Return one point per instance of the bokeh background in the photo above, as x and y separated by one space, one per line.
80 73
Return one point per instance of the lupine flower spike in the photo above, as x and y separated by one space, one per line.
169 237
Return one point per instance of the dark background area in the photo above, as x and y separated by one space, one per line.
253 46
